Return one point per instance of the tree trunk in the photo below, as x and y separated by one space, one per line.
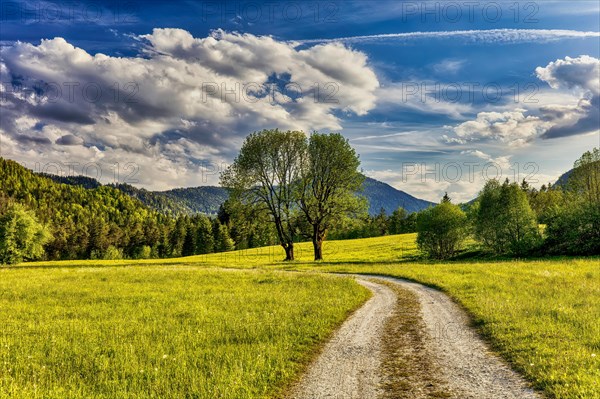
289 252
318 247
317 240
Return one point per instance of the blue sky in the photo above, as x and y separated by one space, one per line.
435 96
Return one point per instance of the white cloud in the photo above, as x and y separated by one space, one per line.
582 72
449 66
423 96
513 127
183 102
502 161
520 126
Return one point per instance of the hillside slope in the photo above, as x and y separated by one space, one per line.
82 220
382 195
208 199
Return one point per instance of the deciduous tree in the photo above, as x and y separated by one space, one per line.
22 237
330 179
265 174
441 230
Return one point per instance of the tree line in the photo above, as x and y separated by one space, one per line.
509 219
284 188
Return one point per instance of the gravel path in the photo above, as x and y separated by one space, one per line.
468 366
349 364
348 367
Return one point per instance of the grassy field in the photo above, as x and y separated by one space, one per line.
161 332
391 249
541 315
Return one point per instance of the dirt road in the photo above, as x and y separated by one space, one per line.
349 366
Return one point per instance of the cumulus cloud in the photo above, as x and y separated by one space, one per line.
520 126
581 73
182 102
514 127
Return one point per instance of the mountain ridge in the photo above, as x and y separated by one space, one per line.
208 199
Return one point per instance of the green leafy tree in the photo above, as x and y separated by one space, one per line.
265 174
396 221
585 178
251 226
520 231
112 253
22 237
546 203
441 230
381 223
401 222
330 179
504 221
574 228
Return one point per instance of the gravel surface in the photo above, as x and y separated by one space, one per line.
349 365
470 369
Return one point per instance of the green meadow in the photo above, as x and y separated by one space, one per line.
103 328
163 332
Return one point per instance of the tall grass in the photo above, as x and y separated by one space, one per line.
162 332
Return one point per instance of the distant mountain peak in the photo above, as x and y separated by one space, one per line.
382 195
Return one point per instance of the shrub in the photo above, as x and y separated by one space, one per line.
441 230
111 253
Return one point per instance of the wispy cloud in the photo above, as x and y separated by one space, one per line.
484 36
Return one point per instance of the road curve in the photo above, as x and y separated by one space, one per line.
349 365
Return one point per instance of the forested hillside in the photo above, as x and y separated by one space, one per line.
98 222
204 199
208 199
175 202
